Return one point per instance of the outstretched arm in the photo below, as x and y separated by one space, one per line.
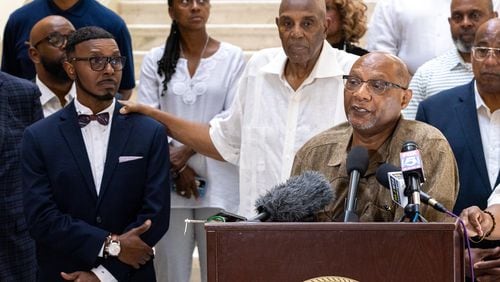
192 134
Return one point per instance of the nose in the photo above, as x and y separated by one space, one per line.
362 93
466 22
108 68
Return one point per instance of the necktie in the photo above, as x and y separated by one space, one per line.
102 118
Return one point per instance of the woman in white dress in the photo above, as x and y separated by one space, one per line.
194 77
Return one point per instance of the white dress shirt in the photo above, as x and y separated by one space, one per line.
489 125
269 121
50 102
96 137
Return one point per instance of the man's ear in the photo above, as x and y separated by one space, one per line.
70 70
408 94
328 22
34 55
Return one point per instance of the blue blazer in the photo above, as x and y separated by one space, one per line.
454 112
19 107
66 217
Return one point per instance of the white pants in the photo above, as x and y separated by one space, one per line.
174 252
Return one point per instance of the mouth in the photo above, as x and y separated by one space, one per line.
107 83
359 109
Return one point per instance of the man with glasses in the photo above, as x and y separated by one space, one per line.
94 180
453 68
374 95
469 117
47 41
80 13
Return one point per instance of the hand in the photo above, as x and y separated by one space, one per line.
179 155
486 263
80 276
134 251
185 184
476 221
131 107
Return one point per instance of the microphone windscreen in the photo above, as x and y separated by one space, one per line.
382 171
298 199
357 159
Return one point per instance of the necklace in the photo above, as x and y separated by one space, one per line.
201 55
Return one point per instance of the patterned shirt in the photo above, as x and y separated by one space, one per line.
444 72
327 154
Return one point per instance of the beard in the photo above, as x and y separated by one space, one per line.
55 68
462 46
106 97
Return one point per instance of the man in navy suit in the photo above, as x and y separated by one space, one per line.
96 183
469 117
19 107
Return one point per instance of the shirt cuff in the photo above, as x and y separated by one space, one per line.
103 274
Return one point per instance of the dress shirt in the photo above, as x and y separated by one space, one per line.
327 153
96 137
441 73
269 121
49 100
489 125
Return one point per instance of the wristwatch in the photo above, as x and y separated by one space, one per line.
112 246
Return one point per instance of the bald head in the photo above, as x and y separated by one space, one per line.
488 31
318 7
391 65
48 25
486 61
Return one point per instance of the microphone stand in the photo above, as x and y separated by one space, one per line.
412 209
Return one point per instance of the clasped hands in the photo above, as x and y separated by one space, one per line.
134 252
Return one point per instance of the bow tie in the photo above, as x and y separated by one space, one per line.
102 118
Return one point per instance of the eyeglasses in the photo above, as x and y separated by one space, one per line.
481 53
99 63
55 39
376 86
187 3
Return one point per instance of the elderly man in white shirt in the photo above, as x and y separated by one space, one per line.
415 31
285 96
47 41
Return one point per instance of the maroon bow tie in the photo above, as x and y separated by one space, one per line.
102 118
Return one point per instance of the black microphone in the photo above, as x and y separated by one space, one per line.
296 200
413 174
357 164
385 179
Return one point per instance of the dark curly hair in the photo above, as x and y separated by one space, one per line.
84 34
171 54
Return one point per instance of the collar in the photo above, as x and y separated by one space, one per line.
325 65
81 109
455 61
48 94
479 101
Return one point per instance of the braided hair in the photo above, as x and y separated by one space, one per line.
171 54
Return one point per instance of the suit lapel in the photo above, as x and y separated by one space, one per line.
118 136
467 114
74 139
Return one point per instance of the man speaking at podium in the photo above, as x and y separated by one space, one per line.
374 95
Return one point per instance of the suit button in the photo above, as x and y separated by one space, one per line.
98 219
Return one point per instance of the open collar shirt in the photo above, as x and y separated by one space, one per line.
269 121
49 100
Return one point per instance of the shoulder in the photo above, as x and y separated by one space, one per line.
420 132
26 11
14 86
448 96
230 48
155 53
105 17
329 137
343 59
143 123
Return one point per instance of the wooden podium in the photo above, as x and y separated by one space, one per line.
250 251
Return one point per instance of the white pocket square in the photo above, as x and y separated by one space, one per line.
124 159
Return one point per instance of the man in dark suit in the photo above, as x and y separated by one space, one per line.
469 116
19 107
96 183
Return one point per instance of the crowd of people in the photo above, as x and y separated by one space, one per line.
96 187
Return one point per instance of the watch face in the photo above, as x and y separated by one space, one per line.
114 249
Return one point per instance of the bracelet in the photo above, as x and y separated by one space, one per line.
493 226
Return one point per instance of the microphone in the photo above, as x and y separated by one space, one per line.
384 177
357 164
296 200
413 174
